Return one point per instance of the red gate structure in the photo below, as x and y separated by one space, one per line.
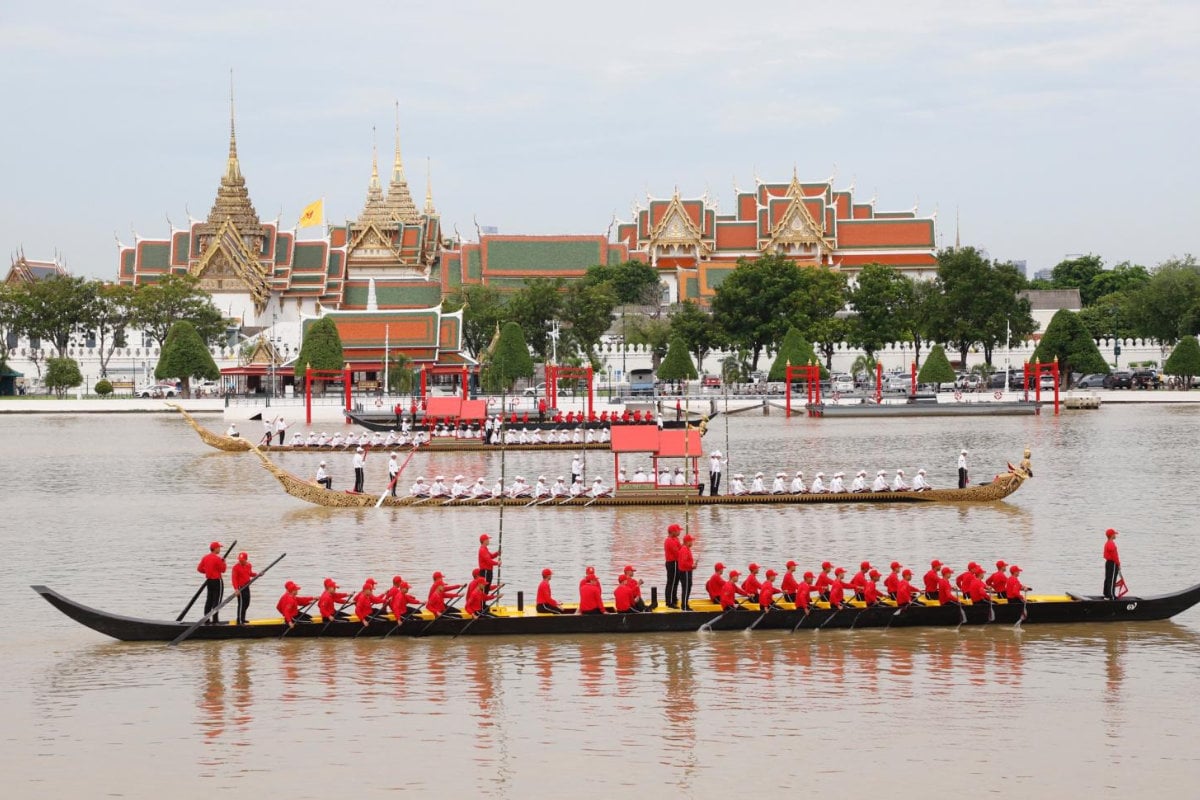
462 370
812 382
1036 370
555 372
323 375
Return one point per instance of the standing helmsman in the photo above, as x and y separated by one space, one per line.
212 567
360 475
488 561
671 556
715 464
962 469
240 576
1112 565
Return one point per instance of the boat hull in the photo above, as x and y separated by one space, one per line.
982 409
1065 609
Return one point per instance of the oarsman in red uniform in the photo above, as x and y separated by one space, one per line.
976 590
637 415
859 581
589 574
240 576
730 591
364 602
399 601
998 580
546 604
965 578
892 580
870 592
623 596
488 561
671 555
837 589
716 583
945 590
625 416
751 585
687 569
788 587
804 592
824 580
635 589
289 605
212 567
1112 564
591 601
931 579
440 593
905 591
1013 591
330 599
767 591
477 599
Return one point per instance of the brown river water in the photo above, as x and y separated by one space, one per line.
115 511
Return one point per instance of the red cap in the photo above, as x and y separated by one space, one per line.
243 556
622 578
906 572
689 538
483 537
437 576
733 573
330 583
717 567
753 567
1110 532
972 566
840 571
947 571
215 546
826 565
895 565
629 568
865 565
790 565
397 580
673 528
546 573
1014 569
590 570
874 573
771 573
368 582
291 586
475 572
935 564
808 576
1000 564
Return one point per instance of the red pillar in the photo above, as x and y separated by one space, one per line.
423 386
307 396
1055 373
347 386
787 391
590 376
1037 381
878 382
465 376
913 392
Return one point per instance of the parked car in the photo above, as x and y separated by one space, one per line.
1121 379
1145 379
156 390
1047 382
972 382
843 383
540 390
1093 381
711 382
898 383
206 389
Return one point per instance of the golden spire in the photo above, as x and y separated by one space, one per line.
233 200
399 204
233 171
428 189
373 210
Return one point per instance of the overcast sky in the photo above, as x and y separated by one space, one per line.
1050 128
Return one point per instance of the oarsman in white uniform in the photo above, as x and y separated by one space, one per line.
798 486
598 488
880 484
459 487
589 436
758 485
268 431
899 485
391 439
280 428
664 477
564 436
402 440
577 436
738 484
323 440
479 489
639 476
680 478
535 436
523 436
377 439
576 468
962 470
860 482
232 433
519 488
420 488
715 464
338 440
323 477
297 439
559 489
314 439
498 489
779 487
393 472
818 484
919 483
621 476
404 425
360 473
837 485
605 435
364 438
576 487
438 487
540 489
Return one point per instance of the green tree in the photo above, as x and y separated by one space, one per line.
827 334
1079 273
1004 316
400 374
113 314
104 387
922 306
1184 360
62 374
484 310
1068 340
695 327
1168 306
653 332
677 366
509 361
978 301
57 307
10 312
320 348
533 307
936 368
758 302
1110 316
587 311
632 282
1124 277
881 299
185 356
158 306
794 350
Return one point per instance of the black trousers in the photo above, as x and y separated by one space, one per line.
962 478
543 608
714 483
1111 573
243 602
326 482
359 478
685 588
214 587
281 436
672 588
394 479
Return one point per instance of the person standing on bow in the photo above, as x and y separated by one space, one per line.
280 429
488 561
393 473
240 576
212 567
360 461
686 566
962 469
1112 564
671 555
715 465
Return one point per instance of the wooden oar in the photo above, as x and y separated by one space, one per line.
302 611
837 611
761 616
224 603
399 622
349 602
708 626
464 628
196 596
807 611
399 472
449 606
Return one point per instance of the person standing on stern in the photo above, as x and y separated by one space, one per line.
212 567
1112 564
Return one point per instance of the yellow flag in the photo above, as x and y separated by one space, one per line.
313 214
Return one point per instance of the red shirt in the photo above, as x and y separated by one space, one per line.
211 566
590 598
931 581
945 591
687 561
859 581
890 583
976 590
364 604
964 580
544 597
400 601
623 597
289 605
729 593
766 593
1110 552
837 592
437 596
904 592
750 586
823 583
998 581
476 598
788 585
328 600
714 586
870 593
241 574
1013 589
802 595
671 548
487 559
